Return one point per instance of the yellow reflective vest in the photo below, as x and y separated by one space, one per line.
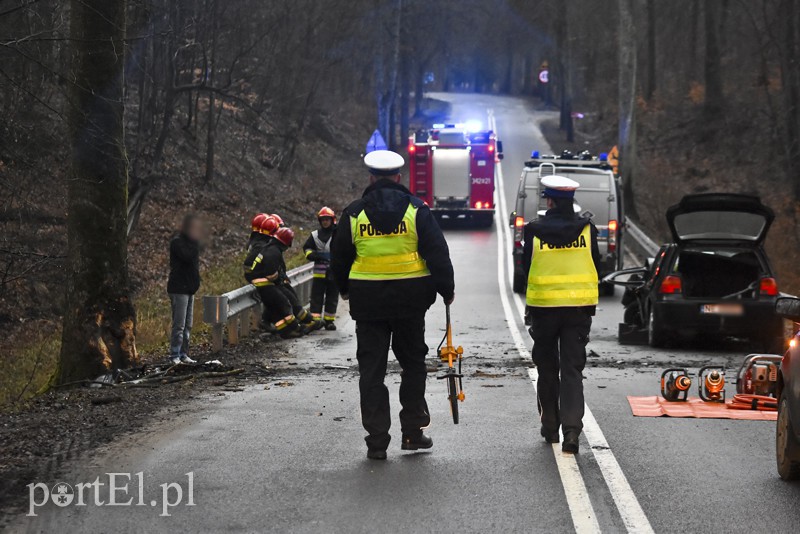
563 275
389 256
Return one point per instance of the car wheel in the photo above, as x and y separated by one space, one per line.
520 281
606 289
656 336
787 449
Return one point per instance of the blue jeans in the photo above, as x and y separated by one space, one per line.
182 312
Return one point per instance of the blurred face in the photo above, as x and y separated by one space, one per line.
194 230
550 203
325 222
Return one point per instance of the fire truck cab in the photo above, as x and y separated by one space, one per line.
452 169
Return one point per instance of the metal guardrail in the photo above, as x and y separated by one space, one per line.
639 242
239 311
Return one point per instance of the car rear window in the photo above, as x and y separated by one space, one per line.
587 180
719 225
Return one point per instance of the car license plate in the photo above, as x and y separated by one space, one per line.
723 309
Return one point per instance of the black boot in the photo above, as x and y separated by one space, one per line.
376 454
414 442
550 436
570 442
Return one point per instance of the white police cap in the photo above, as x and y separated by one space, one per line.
559 187
384 162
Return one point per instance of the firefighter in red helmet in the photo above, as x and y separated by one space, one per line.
256 233
317 248
264 267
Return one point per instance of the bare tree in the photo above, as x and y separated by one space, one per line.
627 101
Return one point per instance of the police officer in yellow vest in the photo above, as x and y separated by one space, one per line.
390 259
561 256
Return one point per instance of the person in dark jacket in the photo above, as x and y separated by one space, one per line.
561 257
317 248
390 259
183 283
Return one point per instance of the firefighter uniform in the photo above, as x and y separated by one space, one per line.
390 259
561 256
264 267
324 292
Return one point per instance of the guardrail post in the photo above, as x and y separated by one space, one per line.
217 332
255 318
233 330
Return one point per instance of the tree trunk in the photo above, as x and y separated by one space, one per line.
713 102
99 320
211 128
627 102
650 88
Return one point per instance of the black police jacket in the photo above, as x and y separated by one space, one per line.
385 202
184 266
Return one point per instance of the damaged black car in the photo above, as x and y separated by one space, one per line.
714 279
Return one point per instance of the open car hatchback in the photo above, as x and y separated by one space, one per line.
714 279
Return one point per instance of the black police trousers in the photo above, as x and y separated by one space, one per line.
406 336
324 293
559 337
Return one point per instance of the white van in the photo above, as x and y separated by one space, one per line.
598 197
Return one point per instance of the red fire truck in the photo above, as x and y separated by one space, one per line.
452 170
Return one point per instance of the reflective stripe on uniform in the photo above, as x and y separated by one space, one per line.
387 256
261 282
563 275
330 317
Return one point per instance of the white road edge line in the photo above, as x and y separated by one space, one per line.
630 510
580 507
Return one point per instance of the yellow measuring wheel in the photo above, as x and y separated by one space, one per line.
450 354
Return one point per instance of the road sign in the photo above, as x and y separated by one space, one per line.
544 76
376 142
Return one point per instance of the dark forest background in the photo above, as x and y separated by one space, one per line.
237 106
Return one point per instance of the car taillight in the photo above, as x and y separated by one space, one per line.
491 148
412 149
519 223
671 285
478 205
768 287
612 235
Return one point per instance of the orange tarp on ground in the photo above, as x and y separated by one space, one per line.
694 407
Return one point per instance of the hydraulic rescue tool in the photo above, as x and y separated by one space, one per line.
675 384
450 354
758 375
711 383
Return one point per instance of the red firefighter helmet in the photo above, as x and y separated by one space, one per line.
285 235
326 212
256 222
269 225
279 219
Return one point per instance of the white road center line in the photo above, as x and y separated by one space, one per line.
580 506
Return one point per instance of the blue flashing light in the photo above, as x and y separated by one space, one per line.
439 126
535 154
603 156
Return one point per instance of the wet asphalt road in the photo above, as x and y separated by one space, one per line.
289 457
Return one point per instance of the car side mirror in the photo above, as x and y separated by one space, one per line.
500 150
788 308
512 218
636 277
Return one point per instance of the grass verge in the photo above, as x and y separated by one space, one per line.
26 370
